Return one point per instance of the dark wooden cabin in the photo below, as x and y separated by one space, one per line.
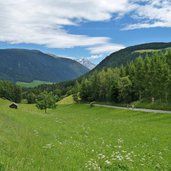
13 106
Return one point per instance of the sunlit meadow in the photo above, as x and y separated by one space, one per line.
78 137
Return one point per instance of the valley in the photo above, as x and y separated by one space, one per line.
32 84
85 85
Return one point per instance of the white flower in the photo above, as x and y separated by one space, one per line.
120 140
108 162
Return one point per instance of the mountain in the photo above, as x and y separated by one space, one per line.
86 63
124 56
28 65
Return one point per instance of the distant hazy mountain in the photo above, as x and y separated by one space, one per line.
28 65
86 63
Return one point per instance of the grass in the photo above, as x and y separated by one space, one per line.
66 100
147 50
77 137
156 105
150 50
32 84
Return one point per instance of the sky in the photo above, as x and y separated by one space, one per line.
76 29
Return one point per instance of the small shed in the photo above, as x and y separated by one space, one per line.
13 106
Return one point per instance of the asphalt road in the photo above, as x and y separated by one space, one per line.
135 109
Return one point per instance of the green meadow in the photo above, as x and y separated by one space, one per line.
77 137
147 50
32 84
151 50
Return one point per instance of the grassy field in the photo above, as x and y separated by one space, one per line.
150 50
32 84
156 105
77 137
147 50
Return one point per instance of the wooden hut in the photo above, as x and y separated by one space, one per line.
13 106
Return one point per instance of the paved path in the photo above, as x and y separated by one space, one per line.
135 109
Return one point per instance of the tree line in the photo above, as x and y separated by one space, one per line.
10 91
144 78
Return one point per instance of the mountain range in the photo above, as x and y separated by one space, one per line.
28 65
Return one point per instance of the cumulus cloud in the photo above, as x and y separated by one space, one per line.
43 22
152 13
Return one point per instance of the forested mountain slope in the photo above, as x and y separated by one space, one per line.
125 56
28 65
144 78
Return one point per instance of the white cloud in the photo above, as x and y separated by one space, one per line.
153 13
106 48
93 57
42 22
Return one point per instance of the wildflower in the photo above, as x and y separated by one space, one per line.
101 156
123 151
48 146
120 141
108 162
119 157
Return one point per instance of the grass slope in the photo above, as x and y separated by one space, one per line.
32 84
66 100
77 137
147 50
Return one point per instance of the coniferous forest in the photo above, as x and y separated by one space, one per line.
144 78
10 91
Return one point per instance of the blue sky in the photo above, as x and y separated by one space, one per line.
89 29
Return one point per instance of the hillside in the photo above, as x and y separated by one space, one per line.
125 56
28 65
